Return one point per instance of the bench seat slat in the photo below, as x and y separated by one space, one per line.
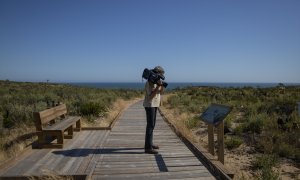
64 124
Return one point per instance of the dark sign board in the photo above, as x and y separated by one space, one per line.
215 113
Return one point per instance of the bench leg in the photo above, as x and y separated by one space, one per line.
41 139
70 133
78 126
60 137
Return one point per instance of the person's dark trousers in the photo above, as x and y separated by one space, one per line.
151 120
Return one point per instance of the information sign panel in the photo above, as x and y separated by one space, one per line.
215 113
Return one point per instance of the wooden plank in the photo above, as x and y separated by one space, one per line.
79 167
90 164
54 158
25 164
63 124
199 174
95 128
58 157
53 113
81 150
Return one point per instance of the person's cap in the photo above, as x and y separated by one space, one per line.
159 69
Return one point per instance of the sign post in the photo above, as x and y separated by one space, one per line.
299 108
221 142
214 116
211 146
1 121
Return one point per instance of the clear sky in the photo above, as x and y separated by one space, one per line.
114 40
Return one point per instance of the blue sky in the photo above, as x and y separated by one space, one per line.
114 40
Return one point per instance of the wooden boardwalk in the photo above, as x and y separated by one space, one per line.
115 154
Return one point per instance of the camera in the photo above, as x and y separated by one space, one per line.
153 77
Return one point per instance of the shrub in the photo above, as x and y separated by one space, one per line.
265 160
192 122
194 108
285 150
254 125
16 114
233 142
268 174
238 130
92 108
264 164
228 120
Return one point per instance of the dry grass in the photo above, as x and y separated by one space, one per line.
177 119
50 175
13 141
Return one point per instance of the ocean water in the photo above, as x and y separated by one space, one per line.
174 85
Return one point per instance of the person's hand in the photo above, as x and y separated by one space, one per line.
159 82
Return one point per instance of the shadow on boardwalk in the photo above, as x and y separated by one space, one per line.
88 151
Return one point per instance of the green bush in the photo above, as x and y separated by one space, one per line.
17 114
264 164
285 150
238 130
18 100
269 174
265 160
192 122
232 142
254 125
92 108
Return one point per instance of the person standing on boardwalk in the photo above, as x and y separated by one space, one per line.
151 103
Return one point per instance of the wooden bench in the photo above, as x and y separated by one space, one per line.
53 123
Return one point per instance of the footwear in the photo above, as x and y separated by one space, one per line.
150 151
155 146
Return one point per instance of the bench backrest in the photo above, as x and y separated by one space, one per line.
48 115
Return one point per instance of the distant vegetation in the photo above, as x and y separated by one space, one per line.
265 118
19 99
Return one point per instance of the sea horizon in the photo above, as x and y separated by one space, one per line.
176 85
